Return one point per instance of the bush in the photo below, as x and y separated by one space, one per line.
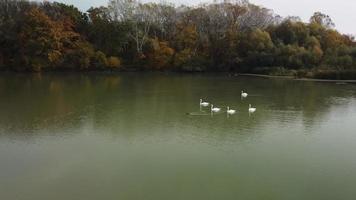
113 62
100 60
301 73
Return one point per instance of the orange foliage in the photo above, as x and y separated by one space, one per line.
160 55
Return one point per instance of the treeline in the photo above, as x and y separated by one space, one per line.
128 35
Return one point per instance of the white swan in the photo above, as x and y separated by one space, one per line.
243 94
214 109
204 104
251 110
230 112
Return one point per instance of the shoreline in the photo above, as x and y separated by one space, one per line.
286 77
299 79
266 76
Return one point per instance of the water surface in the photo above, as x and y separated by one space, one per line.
127 136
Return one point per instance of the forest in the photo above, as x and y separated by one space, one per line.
229 36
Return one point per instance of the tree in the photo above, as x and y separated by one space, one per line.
160 55
331 39
62 12
49 44
105 34
256 17
138 16
186 45
41 41
12 18
323 20
259 40
220 36
290 32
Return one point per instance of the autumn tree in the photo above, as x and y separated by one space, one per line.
160 54
48 44
41 41
219 36
323 20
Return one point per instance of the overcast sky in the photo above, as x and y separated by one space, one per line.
343 12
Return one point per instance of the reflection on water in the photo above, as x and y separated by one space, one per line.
127 136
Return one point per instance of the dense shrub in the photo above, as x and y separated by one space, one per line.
113 62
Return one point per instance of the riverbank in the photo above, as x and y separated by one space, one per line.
298 79
319 75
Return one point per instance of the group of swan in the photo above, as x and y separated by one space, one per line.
250 108
228 110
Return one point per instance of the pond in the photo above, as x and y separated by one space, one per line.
128 136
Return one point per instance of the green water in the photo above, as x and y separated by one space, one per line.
127 137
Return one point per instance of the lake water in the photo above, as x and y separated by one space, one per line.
128 137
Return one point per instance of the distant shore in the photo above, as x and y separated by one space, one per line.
287 75
297 79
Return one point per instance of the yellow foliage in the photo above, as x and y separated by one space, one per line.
54 56
332 39
113 62
161 54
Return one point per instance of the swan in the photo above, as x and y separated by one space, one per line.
204 104
230 112
214 109
251 110
243 94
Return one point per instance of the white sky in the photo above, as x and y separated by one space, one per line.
343 12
